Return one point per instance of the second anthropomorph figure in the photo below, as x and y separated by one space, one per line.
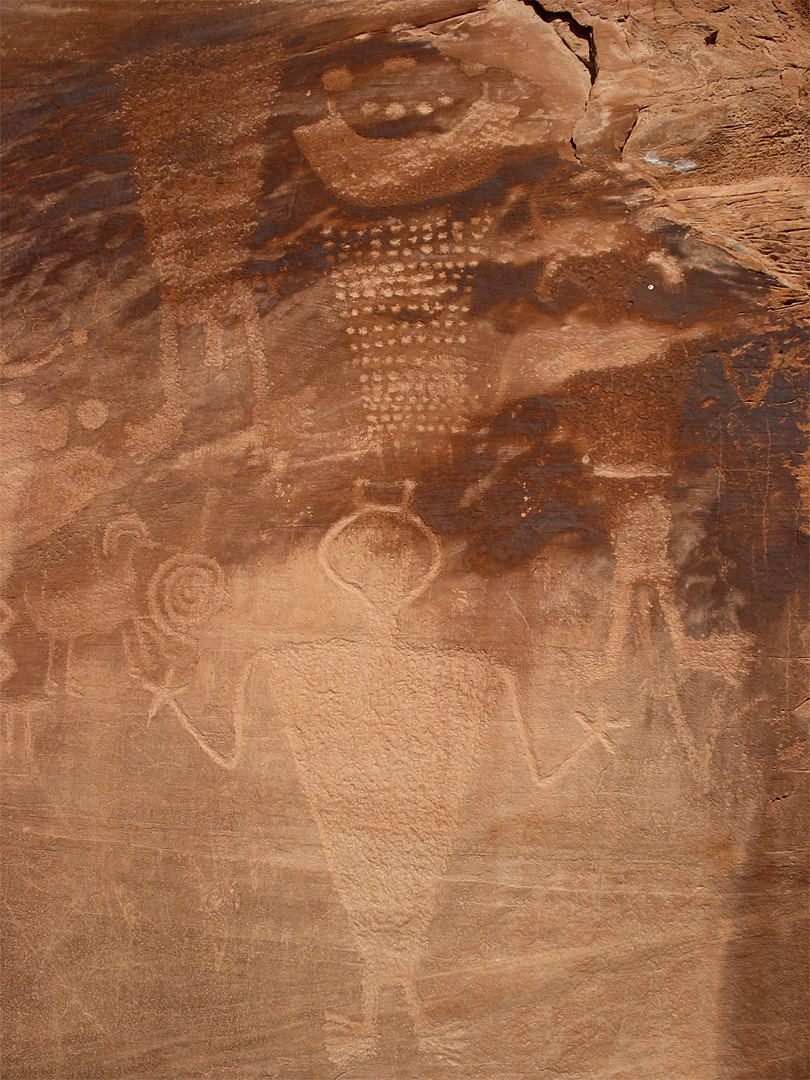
386 735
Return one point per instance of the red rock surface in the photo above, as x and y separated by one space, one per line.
405 540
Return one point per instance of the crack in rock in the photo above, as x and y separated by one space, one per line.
576 37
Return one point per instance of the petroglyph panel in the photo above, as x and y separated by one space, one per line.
403 600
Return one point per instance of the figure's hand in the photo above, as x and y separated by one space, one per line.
598 731
165 694
599 727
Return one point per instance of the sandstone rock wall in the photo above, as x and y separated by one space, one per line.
404 529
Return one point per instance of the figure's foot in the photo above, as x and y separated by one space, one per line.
444 1042
441 1042
349 1041
67 687
73 688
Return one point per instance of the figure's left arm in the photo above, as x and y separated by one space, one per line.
595 733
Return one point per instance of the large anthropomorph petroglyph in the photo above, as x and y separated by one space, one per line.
386 737
404 540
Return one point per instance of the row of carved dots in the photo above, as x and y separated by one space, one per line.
409 255
395 229
383 310
416 269
387 287
409 404
364 354
433 299
392 427
401 393
443 329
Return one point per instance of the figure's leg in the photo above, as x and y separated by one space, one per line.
442 1041
27 745
214 347
8 664
370 1001
673 623
18 749
645 606
145 439
619 621
349 1041
413 1003
50 682
72 685
7 746
258 361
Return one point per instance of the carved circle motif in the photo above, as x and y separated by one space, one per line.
186 592
399 513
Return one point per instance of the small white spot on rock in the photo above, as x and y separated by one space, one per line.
681 165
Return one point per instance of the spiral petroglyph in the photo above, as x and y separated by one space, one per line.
185 593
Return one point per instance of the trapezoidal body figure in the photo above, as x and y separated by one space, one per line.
385 736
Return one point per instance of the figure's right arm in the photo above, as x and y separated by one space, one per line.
240 707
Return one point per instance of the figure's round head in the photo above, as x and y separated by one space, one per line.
383 554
